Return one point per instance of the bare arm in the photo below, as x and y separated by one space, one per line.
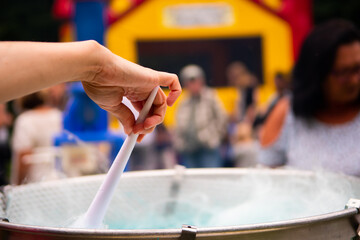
274 124
26 67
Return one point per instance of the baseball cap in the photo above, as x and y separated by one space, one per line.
190 72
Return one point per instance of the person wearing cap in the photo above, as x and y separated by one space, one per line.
200 122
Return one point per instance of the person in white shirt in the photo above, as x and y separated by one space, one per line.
34 128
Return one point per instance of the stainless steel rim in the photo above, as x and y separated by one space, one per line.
264 227
242 229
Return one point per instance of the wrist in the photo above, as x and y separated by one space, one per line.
92 58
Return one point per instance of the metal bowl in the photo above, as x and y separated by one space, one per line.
42 210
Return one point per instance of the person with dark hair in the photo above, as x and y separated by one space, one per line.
318 126
281 81
34 128
241 148
245 82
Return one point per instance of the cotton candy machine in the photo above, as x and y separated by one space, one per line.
190 204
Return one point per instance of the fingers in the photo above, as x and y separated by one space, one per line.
148 125
158 112
172 82
140 138
138 105
125 116
155 116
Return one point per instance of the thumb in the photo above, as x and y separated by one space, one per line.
172 82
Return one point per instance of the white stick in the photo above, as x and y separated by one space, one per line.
96 212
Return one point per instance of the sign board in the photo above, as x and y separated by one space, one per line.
198 15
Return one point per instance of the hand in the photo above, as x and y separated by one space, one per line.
28 67
118 78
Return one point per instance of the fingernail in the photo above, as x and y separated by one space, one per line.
147 128
140 138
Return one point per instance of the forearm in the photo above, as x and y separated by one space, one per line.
26 67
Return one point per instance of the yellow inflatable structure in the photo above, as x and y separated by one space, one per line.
166 34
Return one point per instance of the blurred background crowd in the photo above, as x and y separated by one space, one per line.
238 61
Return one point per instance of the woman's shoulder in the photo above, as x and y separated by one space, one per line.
273 125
